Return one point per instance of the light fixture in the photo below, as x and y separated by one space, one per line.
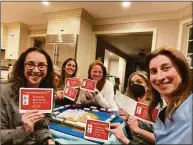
45 3
126 4
111 53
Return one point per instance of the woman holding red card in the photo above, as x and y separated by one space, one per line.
69 70
171 78
135 131
103 95
33 69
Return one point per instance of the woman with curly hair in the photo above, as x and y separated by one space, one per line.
33 69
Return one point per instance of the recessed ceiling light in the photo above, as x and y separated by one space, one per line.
111 53
126 4
45 3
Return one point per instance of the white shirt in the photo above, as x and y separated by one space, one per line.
105 98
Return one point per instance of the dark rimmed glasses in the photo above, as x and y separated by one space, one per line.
31 66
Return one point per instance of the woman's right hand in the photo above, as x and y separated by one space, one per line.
29 119
89 95
117 130
123 114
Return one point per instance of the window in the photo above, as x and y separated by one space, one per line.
190 47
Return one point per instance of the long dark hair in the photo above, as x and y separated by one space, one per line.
181 65
18 78
100 83
63 71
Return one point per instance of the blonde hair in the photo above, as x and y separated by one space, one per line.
144 76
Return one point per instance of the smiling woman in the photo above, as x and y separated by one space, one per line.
104 93
33 69
69 70
171 78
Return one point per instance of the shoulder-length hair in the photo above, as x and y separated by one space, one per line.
181 65
100 83
18 78
63 71
144 76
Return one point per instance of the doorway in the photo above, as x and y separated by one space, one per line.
131 46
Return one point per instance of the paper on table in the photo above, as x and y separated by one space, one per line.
126 103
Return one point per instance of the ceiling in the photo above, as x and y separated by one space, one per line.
34 12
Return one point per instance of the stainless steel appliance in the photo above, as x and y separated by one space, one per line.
61 47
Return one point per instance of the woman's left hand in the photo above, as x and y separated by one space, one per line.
133 124
49 142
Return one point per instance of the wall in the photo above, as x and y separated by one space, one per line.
121 72
24 32
36 33
86 48
76 21
167 30
113 67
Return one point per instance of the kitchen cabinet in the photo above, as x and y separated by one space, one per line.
63 26
17 40
3 36
13 44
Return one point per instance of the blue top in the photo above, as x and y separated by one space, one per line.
178 131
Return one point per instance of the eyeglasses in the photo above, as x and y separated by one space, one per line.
30 66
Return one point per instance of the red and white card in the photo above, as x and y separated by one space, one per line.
35 98
141 112
72 82
134 108
95 130
70 93
88 85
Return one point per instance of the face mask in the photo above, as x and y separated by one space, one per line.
138 90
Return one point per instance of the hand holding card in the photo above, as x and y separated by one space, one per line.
88 85
95 130
35 98
72 82
88 95
141 112
70 93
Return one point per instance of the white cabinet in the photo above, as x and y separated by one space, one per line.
12 50
68 26
3 36
17 40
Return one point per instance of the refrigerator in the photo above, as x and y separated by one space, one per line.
61 47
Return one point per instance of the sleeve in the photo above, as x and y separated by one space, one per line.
108 96
10 136
82 98
101 100
42 131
